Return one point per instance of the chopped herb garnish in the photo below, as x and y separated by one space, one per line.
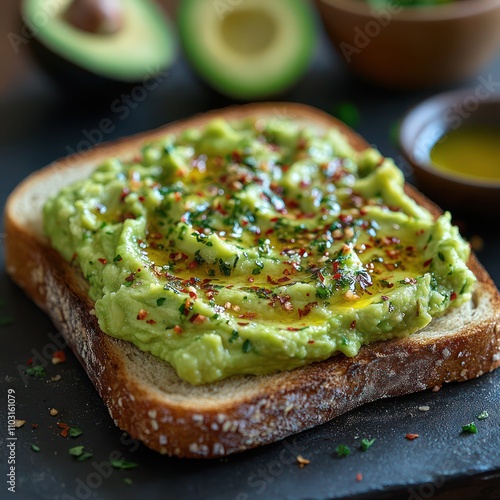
35 448
483 415
246 346
74 432
6 320
79 453
36 372
343 450
348 113
323 293
123 464
160 301
118 258
470 428
366 443
441 256
128 481
234 336
225 268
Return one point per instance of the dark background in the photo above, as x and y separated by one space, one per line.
39 123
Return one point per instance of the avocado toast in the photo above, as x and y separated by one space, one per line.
144 394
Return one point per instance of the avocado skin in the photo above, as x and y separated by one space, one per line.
73 79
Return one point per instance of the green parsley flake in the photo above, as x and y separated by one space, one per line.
366 443
36 372
343 450
75 432
123 464
246 346
35 448
79 453
470 428
483 415
6 321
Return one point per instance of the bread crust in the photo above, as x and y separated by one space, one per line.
148 400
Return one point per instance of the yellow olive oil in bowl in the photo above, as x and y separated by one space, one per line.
471 151
452 141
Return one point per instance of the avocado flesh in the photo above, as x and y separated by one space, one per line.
143 47
251 49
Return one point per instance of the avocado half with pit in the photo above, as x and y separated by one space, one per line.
91 42
248 49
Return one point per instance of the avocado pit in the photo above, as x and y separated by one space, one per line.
102 17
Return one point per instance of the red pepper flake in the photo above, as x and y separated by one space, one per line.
248 315
142 199
151 322
73 257
250 279
310 341
65 429
410 281
353 325
411 437
58 357
34 426
177 256
103 261
453 296
270 280
337 276
125 192
192 265
197 319
30 361
359 477
243 324
284 279
269 231
177 196
385 297
307 309
292 329
130 277
142 314
321 277
427 263
177 329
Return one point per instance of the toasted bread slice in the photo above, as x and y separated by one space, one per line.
145 396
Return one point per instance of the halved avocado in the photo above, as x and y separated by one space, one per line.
248 49
141 45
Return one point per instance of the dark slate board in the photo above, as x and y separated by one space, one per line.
37 126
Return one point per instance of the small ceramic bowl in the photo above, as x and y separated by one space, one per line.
426 123
413 47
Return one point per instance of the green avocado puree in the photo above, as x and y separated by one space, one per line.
255 246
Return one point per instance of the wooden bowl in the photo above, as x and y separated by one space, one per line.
422 127
414 47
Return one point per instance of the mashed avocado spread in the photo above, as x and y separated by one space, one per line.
256 246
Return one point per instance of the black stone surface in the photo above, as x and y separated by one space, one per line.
38 125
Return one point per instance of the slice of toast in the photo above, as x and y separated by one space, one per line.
145 396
